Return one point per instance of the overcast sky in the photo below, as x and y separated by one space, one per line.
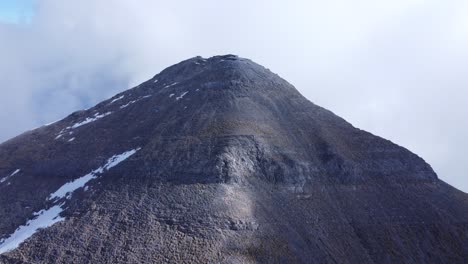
397 68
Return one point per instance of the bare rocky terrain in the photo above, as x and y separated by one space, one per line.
220 160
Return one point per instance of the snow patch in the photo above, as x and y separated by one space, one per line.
48 217
167 86
72 186
116 159
181 96
171 95
9 176
117 99
68 188
90 119
44 218
134 101
71 139
155 81
127 104
51 123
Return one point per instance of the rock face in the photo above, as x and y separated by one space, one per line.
221 161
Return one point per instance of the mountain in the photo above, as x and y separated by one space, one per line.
220 160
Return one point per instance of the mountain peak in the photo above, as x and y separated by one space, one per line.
220 160
217 70
228 97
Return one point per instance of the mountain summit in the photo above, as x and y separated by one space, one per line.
220 160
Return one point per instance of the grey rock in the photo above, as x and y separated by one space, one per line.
235 166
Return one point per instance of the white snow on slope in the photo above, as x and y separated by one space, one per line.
181 96
68 188
127 104
51 123
117 99
98 116
9 176
72 186
155 81
170 96
116 159
44 218
90 119
82 123
167 86
134 101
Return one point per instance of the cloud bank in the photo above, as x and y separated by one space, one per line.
395 68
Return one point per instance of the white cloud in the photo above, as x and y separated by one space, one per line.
395 68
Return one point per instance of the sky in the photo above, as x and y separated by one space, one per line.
396 68
16 11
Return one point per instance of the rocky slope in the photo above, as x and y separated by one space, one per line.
220 160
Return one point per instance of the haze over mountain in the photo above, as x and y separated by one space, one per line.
220 160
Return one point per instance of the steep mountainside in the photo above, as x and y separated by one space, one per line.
220 160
